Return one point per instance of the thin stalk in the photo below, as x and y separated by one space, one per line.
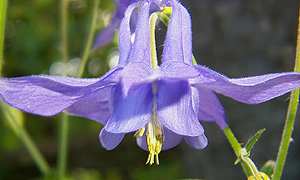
233 141
63 146
236 147
3 7
18 130
23 135
90 38
290 118
64 30
64 122
153 20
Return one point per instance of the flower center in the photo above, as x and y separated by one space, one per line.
154 132
154 141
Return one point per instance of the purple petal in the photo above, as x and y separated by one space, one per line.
178 43
250 90
122 5
198 142
171 140
175 109
110 140
49 95
130 112
44 95
142 142
208 106
95 106
125 35
134 73
140 51
178 70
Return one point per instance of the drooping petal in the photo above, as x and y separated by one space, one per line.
140 51
95 106
110 140
175 109
125 34
250 90
49 95
178 43
170 141
197 142
130 112
208 106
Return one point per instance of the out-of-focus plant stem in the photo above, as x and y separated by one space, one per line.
64 121
3 9
23 135
90 39
10 117
290 118
64 126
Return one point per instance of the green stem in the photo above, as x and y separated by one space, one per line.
22 134
19 130
3 7
233 141
64 30
153 20
90 38
63 146
290 119
237 148
64 122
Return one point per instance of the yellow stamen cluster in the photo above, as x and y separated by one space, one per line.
154 133
139 133
154 141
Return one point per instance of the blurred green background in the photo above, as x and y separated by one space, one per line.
235 37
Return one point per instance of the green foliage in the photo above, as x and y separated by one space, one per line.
253 140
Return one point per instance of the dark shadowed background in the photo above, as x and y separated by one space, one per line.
235 37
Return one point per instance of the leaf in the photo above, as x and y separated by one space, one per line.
253 140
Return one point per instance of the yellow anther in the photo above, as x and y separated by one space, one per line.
154 140
139 133
154 134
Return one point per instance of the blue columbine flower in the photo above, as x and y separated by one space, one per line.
163 104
